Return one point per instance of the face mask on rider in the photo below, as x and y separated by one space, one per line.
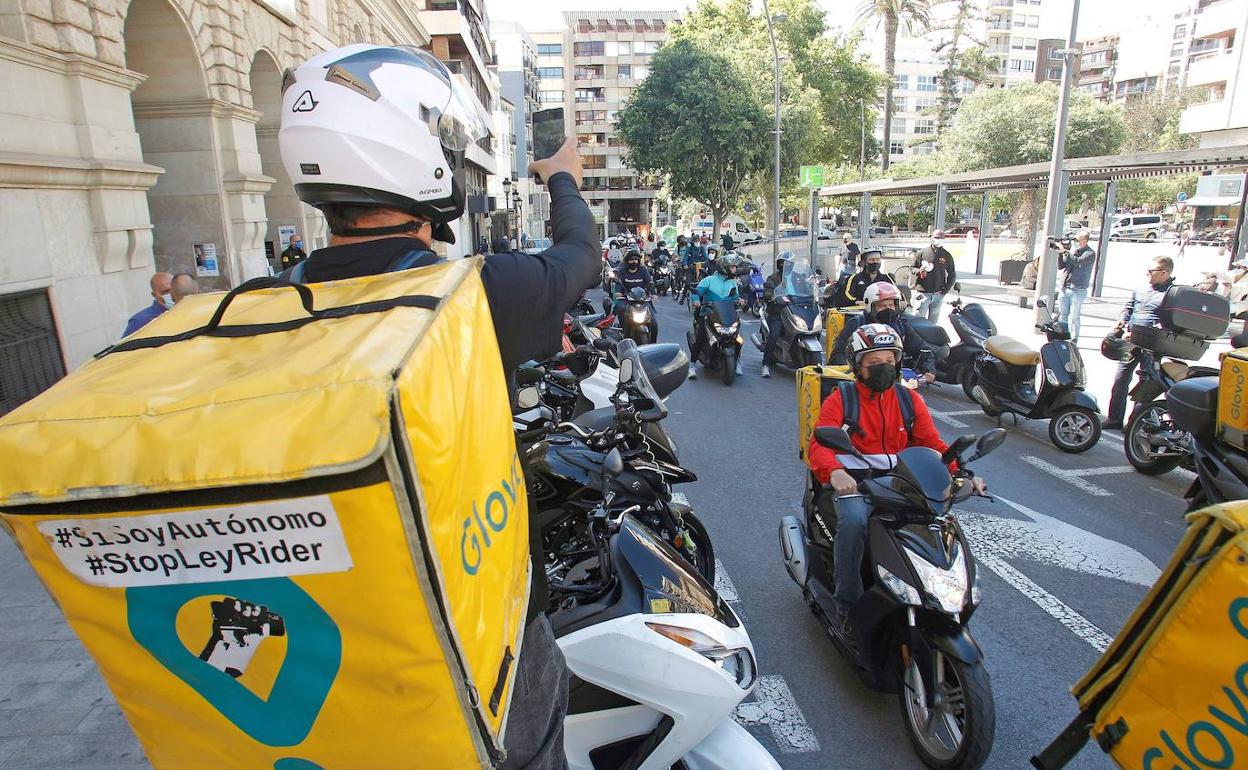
873 268
879 377
886 316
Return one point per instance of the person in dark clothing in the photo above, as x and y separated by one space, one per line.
395 219
293 254
856 286
882 300
774 306
936 276
1140 310
1078 266
725 240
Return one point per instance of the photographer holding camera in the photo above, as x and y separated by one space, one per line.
1078 266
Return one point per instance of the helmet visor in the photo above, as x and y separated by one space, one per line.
455 121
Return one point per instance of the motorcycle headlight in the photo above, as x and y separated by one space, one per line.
907 593
946 586
817 326
737 663
725 330
638 316
798 323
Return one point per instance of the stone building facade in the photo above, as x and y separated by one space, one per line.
138 135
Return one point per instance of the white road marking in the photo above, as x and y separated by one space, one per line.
724 585
772 704
1075 477
947 419
1047 540
963 412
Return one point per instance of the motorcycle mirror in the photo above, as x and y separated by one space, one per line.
959 445
957 286
1239 341
836 438
603 345
626 370
990 441
528 398
613 464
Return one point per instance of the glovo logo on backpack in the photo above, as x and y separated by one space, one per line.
287 538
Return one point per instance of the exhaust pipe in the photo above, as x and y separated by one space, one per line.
793 546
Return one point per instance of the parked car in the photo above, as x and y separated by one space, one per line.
1136 227
537 245
961 231
802 232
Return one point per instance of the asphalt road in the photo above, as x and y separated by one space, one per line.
1065 566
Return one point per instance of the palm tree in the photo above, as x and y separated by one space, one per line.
895 14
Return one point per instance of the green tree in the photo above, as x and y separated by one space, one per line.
694 121
1152 121
894 15
1009 127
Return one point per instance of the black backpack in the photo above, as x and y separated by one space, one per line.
850 407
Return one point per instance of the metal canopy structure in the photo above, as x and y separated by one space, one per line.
1102 169
1106 169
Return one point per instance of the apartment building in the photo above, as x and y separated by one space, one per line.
1049 60
605 55
1216 64
1097 59
1012 32
520 85
459 32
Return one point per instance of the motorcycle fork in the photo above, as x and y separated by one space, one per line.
915 648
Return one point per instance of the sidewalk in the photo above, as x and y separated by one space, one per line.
55 711
1099 317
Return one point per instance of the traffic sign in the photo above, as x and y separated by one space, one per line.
811 176
1182 196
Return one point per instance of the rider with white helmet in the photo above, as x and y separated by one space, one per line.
883 302
375 137
882 418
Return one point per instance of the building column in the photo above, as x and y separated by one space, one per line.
942 202
985 230
1102 247
244 185
864 220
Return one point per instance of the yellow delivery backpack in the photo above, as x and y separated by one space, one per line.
814 385
289 525
1172 689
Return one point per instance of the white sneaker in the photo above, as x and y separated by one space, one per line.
693 373
740 371
766 370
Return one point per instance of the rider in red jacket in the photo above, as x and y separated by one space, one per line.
875 354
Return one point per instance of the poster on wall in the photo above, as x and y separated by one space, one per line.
206 260
284 232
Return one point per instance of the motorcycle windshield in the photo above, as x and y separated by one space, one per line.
923 479
669 583
724 312
797 281
976 314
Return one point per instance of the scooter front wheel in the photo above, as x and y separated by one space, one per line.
956 730
1075 429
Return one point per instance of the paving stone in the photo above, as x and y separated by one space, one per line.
96 752
40 721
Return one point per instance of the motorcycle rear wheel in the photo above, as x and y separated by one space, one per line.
1148 418
966 378
957 730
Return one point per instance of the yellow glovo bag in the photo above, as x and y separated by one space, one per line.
289 526
814 385
1172 689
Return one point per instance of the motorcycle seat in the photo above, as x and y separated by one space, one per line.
1011 351
1175 370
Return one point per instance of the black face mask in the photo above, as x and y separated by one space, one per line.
873 268
886 316
879 377
632 266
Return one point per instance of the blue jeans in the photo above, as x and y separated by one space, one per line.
928 306
539 702
1070 308
852 513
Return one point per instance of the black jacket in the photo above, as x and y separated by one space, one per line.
914 353
940 280
626 281
769 293
1078 265
292 256
857 285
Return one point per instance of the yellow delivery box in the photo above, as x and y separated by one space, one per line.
814 385
1233 399
1172 689
834 324
289 525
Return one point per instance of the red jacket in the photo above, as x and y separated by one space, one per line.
883 431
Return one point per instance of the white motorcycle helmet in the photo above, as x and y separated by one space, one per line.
368 125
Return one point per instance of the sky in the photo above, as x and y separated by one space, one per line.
1096 17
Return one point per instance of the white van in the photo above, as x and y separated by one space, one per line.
1136 227
734 225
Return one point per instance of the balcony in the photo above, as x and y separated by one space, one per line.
1220 18
1211 67
453 23
1210 116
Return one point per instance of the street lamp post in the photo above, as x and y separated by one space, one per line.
507 203
775 204
1054 209
515 207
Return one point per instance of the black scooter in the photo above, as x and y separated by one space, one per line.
973 327
721 329
637 320
802 323
920 581
1004 383
1221 469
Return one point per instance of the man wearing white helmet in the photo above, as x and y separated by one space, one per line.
375 138
882 418
882 300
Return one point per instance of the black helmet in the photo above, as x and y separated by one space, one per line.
728 264
680 239
1115 347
